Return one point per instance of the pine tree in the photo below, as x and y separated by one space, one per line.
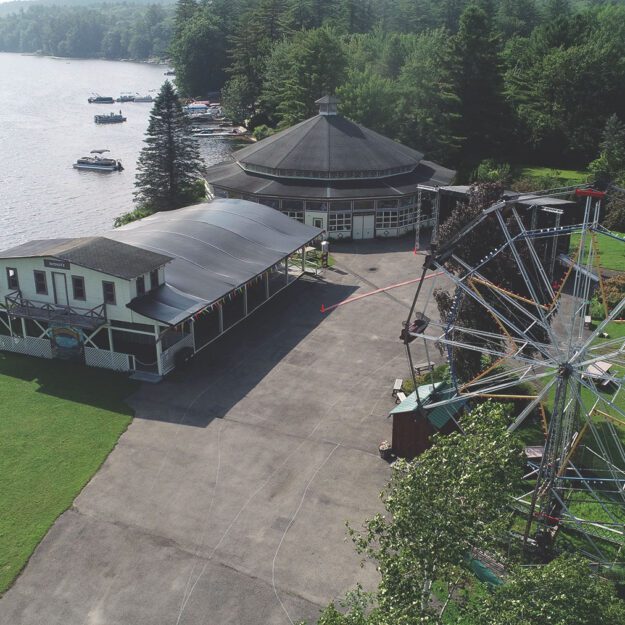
169 164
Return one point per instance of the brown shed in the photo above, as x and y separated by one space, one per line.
414 424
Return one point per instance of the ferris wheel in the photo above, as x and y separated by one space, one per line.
514 332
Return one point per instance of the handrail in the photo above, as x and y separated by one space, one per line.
15 300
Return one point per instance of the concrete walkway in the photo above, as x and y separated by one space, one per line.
226 499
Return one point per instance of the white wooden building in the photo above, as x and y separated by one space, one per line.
152 294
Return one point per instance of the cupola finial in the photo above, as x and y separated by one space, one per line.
328 105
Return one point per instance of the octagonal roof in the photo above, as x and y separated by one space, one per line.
328 146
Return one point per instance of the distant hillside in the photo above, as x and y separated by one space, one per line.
6 8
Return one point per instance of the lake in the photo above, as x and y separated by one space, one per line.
46 123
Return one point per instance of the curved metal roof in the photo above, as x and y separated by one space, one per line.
216 247
328 147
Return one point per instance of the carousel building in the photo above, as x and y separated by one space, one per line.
334 174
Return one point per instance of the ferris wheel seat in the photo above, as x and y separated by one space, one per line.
412 331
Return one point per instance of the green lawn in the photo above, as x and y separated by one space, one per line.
58 423
611 251
565 176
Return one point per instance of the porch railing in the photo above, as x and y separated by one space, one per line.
18 306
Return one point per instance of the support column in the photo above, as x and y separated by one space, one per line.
266 286
159 351
554 244
286 270
245 300
110 335
221 319
192 324
23 327
417 226
303 259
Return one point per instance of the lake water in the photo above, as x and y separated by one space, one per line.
46 123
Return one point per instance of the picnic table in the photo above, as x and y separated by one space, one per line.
597 369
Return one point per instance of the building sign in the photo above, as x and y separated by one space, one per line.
67 343
56 263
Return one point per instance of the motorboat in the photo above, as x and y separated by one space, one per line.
126 97
100 99
218 132
111 118
143 98
97 162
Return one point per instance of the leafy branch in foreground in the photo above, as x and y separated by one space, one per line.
439 508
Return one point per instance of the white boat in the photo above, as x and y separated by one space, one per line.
97 162
111 118
126 97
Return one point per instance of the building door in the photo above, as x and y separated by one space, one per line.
357 226
368 227
60 289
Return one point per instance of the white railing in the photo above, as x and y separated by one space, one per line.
167 357
106 359
26 345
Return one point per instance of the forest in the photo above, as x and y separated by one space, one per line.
514 81
110 31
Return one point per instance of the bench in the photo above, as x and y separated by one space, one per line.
427 366
397 386
400 397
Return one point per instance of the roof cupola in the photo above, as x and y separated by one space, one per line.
328 105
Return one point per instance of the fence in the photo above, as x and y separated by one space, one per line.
167 357
26 345
108 360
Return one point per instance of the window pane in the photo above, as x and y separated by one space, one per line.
360 205
12 278
108 292
41 286
78 286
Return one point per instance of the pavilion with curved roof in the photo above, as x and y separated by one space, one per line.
335 174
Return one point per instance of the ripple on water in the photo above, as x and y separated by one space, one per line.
47 124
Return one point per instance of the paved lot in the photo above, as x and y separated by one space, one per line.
226 500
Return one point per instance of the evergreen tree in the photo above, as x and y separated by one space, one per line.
169 164
479 86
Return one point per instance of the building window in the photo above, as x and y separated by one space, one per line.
387 203
363 205
140 286
108 292
12 280
340 222
154 279
407 200
293 205
41 284
267 201
406 216
78 288
341 206
316 206
294 215
386 219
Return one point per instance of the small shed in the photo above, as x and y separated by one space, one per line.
414 424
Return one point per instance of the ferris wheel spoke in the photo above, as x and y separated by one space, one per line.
528 282
485 304
531 406
508 299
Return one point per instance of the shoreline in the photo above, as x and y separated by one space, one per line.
160 62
